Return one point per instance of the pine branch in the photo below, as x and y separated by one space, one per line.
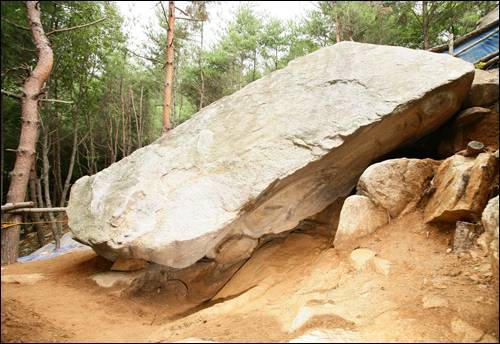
75 27
16 25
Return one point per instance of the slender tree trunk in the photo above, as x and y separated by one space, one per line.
57 161
140 116
425 25
33 195
46 185
254 73
337 23
202 79
169 70
136 117
29 130
71 166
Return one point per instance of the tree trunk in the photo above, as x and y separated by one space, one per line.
140 116
71 166
26 151
425 25
337 23
169 73
46 185
202 79
33 195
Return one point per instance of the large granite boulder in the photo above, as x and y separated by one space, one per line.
279 150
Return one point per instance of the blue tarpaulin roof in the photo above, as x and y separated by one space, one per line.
477 46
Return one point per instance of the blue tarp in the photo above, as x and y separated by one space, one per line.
48 251
478 46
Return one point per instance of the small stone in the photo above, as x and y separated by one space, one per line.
440 286
466 332
382 266
488 339
448 250
129 264
433 301
479 299
474 254
361 257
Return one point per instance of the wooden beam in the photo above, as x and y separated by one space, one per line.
10 206
37 210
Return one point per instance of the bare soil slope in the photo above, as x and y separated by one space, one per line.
286 289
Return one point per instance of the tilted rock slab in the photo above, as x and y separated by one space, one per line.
279 150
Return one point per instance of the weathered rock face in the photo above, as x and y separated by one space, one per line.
259 161
397 184
490 223
484 89
462 188
359 217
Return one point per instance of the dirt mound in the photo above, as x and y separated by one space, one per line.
289 287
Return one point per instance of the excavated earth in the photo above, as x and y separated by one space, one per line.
294 286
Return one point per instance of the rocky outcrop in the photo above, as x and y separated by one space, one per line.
397 184
484 89
489 220
359 217
462 185
259 161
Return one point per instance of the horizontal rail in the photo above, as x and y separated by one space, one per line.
37 210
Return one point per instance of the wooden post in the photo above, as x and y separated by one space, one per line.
450 44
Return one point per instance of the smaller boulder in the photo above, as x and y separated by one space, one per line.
359 216
484 89
397 184
462 186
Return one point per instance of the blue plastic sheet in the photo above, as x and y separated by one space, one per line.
48 251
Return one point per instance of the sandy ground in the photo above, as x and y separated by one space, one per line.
289 287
